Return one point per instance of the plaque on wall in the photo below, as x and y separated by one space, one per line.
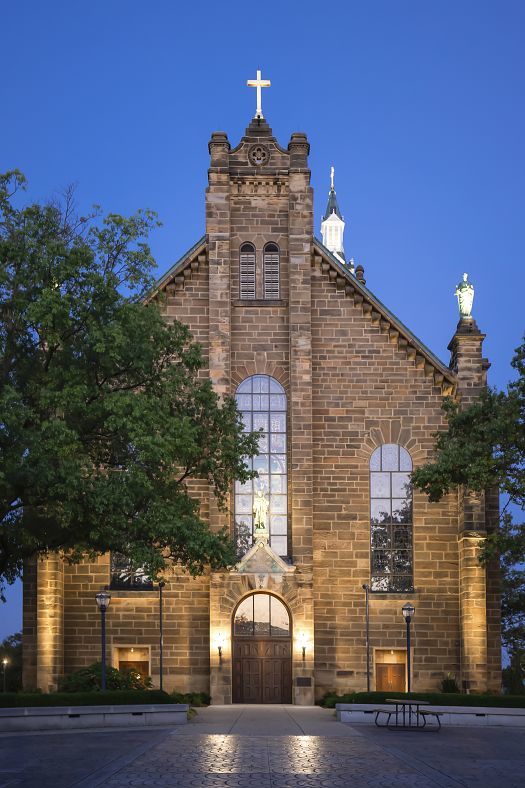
303 681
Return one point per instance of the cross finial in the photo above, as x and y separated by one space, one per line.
332 178
259 83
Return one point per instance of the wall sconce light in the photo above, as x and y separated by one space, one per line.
220 644
303 642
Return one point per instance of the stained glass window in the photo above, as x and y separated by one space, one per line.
391 519
262 402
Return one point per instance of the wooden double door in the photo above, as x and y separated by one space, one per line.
390 678
262 670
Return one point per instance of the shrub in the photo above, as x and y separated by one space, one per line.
193 698
438 699
90 679
449 684
96 698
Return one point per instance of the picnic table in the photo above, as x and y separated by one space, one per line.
408 715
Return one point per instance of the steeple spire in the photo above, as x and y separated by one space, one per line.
332 205
333 225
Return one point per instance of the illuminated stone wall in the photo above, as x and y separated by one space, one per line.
353 381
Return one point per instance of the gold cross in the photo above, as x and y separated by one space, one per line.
259 83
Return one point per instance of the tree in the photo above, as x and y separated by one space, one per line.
106 415
11 649
484 447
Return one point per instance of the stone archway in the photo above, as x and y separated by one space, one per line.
262 650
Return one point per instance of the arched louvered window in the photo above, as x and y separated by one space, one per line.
271 271
391 519
247 271
262 402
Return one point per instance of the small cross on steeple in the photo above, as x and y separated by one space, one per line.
259 83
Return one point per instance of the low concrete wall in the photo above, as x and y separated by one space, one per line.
39 718
364 714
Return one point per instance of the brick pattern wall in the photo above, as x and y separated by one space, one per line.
366 392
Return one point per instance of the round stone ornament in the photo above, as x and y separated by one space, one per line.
258 155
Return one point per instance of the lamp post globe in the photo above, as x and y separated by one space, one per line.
103 598
408 611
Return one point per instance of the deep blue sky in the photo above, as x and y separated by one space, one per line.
419 106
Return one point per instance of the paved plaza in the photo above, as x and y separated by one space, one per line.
264 747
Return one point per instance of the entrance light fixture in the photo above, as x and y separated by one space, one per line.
303 642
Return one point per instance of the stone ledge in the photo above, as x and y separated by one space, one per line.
257 302
467 716
70 717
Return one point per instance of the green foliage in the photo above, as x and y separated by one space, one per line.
514 674
109 698
90 679
106 413
483 448
193 698
449 684
11 649
330 699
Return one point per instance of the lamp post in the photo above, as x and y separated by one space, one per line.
103 599
5 662
408 611
161 635
366 589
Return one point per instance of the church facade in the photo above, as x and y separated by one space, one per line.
347 400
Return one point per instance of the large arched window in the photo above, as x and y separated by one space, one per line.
271 271
262 402
391 519
247 271
261 615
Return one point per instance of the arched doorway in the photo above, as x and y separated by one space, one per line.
262 651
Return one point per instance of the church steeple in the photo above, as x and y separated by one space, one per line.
333 226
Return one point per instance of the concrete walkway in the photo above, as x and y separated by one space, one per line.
240 720
264 747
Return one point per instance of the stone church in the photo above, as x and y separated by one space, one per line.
347 399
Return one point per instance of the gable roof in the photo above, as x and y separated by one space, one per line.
388 322
379 314
188 258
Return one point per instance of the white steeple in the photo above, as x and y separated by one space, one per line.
333 226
